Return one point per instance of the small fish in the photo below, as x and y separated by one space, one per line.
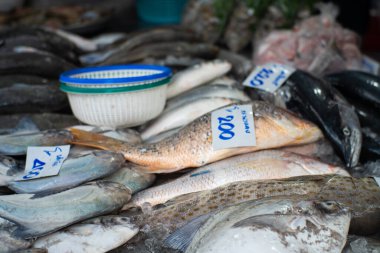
33 63
360 195
206 91
192 145
196 75
163 49
261 165
74 171
17 144
183 115
357 84
82 44
272 225
132 177
97 235
37 215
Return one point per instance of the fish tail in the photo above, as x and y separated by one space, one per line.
94 140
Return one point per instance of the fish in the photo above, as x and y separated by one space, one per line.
206 91
184 114
33 122
37 215
9 168
17 144
367 115
360 195
33 63
10 243
241 65
108 39
371 145
161 136
131 176
176 63
9 80
96 235
192 145
260 165
317 101
32 98
163 49
360 85
360 244
196 76
74 171
155 35
272 225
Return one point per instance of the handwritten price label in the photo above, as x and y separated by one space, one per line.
44 161
232 127
268 77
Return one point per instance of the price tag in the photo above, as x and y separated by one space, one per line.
44 161
377 179
232 127
268 77
370 65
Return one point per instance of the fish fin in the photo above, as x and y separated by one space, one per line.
95 140
182 237
26 125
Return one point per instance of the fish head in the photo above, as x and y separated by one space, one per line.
352 142
6 164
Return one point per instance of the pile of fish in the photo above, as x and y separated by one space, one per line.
306 185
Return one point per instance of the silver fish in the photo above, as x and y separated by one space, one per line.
270 225
208 91
74 171
196 76
97 235
37 215
132 177
184 114
9 168
17 144
261 165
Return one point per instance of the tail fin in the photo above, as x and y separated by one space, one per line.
84 138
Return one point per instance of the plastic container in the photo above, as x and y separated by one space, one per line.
160 11
116 96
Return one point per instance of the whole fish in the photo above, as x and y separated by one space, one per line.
261 165
272 225
318 101
357 84
206 91
74 171
131 176
156 35
181 116
241 65
32 98
192 145
9 168
37 215
17 144
360 195
97 235
196 76
163 49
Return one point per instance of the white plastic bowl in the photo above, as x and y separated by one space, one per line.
122 97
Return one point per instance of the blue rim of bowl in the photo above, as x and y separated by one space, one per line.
66 77
84 90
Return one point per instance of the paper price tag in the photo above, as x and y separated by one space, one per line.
377 179
268 77
370 65
44 161
232 127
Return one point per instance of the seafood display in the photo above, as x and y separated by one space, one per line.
267 137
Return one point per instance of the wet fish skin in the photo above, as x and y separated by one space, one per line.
196 76
192 145
37 215
325 106
273 225
96 235
360 85
183 115
131 176
9 168
371 145
261 165
74 171
17 144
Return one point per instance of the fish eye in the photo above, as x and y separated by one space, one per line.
346 131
